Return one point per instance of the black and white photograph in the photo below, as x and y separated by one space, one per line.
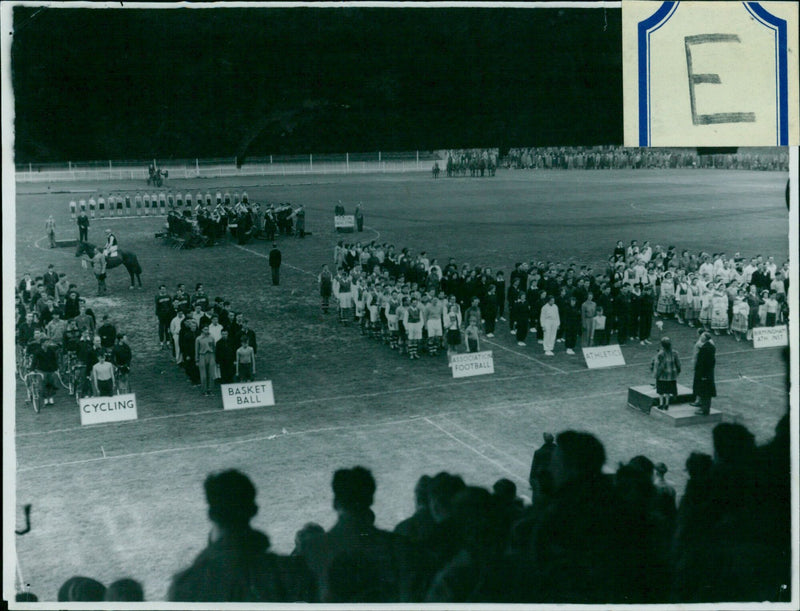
365 303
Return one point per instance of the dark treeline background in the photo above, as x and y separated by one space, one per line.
125 83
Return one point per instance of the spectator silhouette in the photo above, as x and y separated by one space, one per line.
475 573
574 545
236 565
81 589
125 590
419 526
540 479
355 561
444 542
722 547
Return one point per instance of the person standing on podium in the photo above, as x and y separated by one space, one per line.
666 366
704 387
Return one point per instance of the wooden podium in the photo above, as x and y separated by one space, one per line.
680 413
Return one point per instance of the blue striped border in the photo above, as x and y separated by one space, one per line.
778 25
651 24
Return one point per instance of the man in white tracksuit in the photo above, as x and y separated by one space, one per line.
550 322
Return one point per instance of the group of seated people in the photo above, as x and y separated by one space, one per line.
616 157
54 327
377 286
587 535
208 340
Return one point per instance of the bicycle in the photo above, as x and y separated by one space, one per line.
22 361
122 382
34 382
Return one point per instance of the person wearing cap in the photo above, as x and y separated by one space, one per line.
111 248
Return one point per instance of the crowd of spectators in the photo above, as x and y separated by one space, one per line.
475 162
53 325
588 535
614 157
383 289
208 340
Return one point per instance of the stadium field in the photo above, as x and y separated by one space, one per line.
126 499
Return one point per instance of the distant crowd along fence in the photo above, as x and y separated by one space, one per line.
347 163
156 203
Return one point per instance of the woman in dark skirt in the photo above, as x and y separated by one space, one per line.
666 366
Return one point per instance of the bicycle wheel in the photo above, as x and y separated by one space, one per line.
22 363
36 391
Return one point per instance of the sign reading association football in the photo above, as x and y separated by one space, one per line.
769 337
97 410
598 357
247 394
472 364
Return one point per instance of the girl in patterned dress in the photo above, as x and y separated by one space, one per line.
666 298
682 297
695 302
741 315
719 310
705 307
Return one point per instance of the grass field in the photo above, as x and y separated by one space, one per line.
126 499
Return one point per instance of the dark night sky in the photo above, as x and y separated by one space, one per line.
131 84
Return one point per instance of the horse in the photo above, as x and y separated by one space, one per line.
126 258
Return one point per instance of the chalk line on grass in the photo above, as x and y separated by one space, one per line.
476 451
487 444
531 358
770 386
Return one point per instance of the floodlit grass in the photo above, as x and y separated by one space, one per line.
131 493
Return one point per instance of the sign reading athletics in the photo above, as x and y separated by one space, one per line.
598 357
247 394
472 364
96 410
768 337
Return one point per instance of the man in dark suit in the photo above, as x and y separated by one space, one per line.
275 264
540 479
704 387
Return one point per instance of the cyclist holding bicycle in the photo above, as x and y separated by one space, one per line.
45 362
121 357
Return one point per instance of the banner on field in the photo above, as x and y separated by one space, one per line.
247 394
472 364
598 357
769 337
96 410
345 222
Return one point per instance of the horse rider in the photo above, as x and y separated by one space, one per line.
110 250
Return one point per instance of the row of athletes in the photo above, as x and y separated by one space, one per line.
404 317
130 204
209 341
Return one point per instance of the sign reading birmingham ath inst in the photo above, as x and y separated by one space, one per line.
472 364
247 394
598 357
344 221
710 74
96 410
769 337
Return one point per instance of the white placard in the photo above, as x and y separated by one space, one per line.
769 337
598 357
247 394
472 364
344 221
96 410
